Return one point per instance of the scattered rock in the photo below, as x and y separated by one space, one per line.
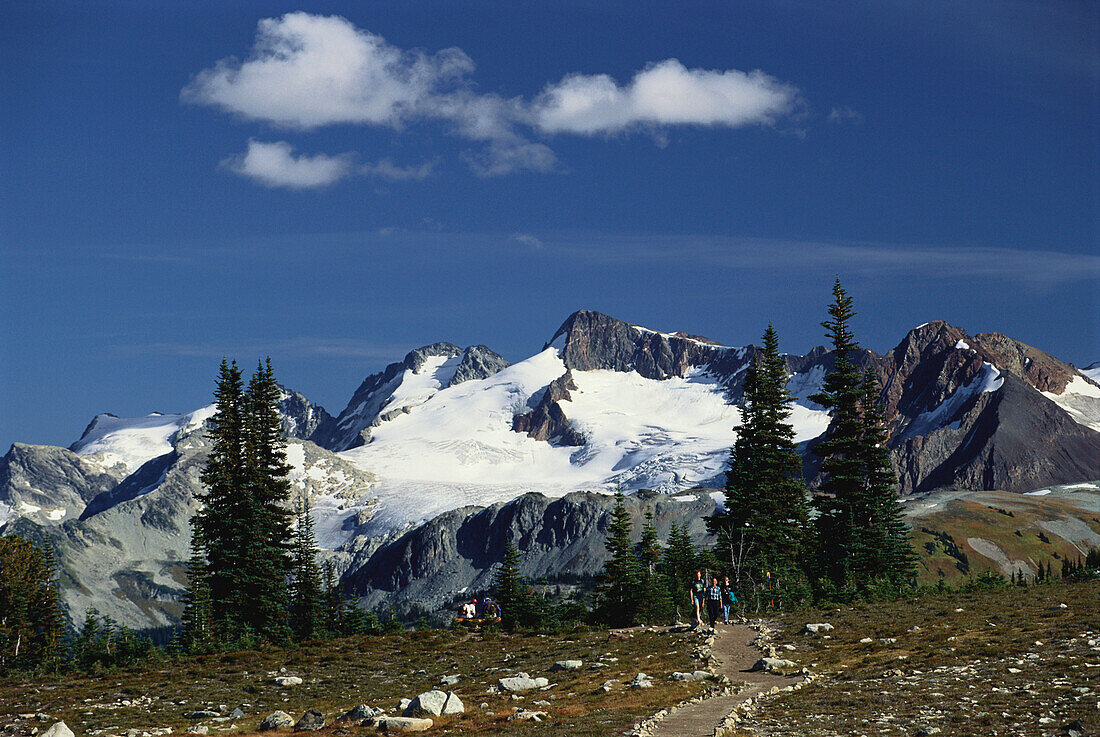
521 682
566 665
528 716
198 729
427 704
285 681
236 713
865 641
641 681
59 729
817 628
698 675
454 704
202 714
778 666
311 721
607 685
404 724
448 680
276 720
360 714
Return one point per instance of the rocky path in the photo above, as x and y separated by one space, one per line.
735 655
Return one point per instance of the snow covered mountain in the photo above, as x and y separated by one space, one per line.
605 404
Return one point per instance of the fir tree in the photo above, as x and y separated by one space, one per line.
31 622
306 609
762 534
222 526
268 490
655 602
619 589
678 564
198 630
511 590
841 505
337 609
888 553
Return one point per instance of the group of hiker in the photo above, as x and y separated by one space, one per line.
714 600
487 609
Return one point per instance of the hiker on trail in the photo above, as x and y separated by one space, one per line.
729 598
714 601
698 595
491 610
469 609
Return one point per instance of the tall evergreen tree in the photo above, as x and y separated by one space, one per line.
889 553
678 564
511 589
762 534
306 607
268 492
221 527
861 534
842 513
619 588
198 629
655 602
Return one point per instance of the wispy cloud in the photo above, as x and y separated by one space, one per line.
307 71
276 165
528 240
386 169
305 346
844 114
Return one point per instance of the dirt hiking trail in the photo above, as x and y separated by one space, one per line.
735 655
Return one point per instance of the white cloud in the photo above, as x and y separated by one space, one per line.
307 71
662 94
528 240
275 165
386 169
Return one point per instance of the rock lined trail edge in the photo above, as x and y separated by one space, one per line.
735 655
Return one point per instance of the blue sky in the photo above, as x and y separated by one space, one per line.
333 184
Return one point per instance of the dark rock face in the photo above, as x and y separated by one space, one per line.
946 431
547 421
303 419
478 362
456 551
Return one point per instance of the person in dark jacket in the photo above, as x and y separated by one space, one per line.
714 601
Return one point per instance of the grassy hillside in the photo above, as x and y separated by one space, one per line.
961 533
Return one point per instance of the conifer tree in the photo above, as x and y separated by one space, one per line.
198 630
510 589
655 603
221 527
678 564
31 622
306 611
762 534
337 610
619 588
268 491
889 553
842 512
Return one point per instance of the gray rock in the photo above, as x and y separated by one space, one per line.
449 680
566 665
817 628
427 704
454 704
284 681
521 683
59 729
529 716
276 720
775 665
698 675
404 704
236 713
202 714
198 729
311 721
641 681
404 724
359 714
